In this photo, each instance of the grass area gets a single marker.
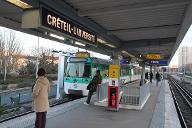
(4, 87)
(22, 81)
(52, 77)
(2, 109)
(16, 79)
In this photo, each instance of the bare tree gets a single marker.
(10, 51)
(2, 47)
(46, 58)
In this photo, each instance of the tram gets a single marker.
(81, 68)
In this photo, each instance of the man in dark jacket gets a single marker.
(158, 78)
(93, 86)
(151, 76)
(146, 75)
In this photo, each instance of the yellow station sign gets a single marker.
(113, 71)
(153, 56)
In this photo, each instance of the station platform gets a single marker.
(158, 112)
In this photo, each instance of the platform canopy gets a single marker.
(132, 28)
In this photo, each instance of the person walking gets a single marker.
(158, 78)
(151, 76)
(40, 98)
(92, 87)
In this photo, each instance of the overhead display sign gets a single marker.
(64, 25)
(124, 61)
(159, 62)
(153, 56)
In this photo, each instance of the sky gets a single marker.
(29, 42)
(187, 41)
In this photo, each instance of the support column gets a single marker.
(143, 73)
(60, 75)
(151, 68)
(155, 68)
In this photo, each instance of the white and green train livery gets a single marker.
(80, 71)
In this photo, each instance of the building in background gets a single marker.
(185, 59)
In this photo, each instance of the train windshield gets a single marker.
(78, 69)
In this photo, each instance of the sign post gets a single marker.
(113, 103)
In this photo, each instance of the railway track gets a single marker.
(65, 100)
(183, 102)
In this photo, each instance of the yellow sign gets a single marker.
(113, 71)
(83, 54)
(153, 56)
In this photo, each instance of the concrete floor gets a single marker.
(91, 116)
(158, 112)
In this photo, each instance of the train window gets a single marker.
(94, 69)
(105, 71)
(78, 70)
(124, 71)
(87, 70)
(71, 70)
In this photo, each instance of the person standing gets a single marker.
(151, 76)
(158, 78)
(40, 98)
(146, 76)
(92, 87)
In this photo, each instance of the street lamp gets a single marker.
(37, 61)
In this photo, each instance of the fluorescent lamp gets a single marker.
(125, 52)
(80, 44)
(101, 41)
(110, 45)
(56, 36)
(20, 4)
(105, 43)
(139, 59)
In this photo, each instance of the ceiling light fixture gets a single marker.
(105, 43)
(56, 36)
(80, 44)
(110, 45)
(101, 41)
(20, 4)
(125, 52)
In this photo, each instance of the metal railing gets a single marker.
(188, 79)
(144, 93)
(102, 92)
(133, 93)
(20, 96)
(130, 95)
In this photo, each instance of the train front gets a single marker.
(78, 75)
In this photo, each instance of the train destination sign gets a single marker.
(153, 56)
(83, 54)
(64, 25)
